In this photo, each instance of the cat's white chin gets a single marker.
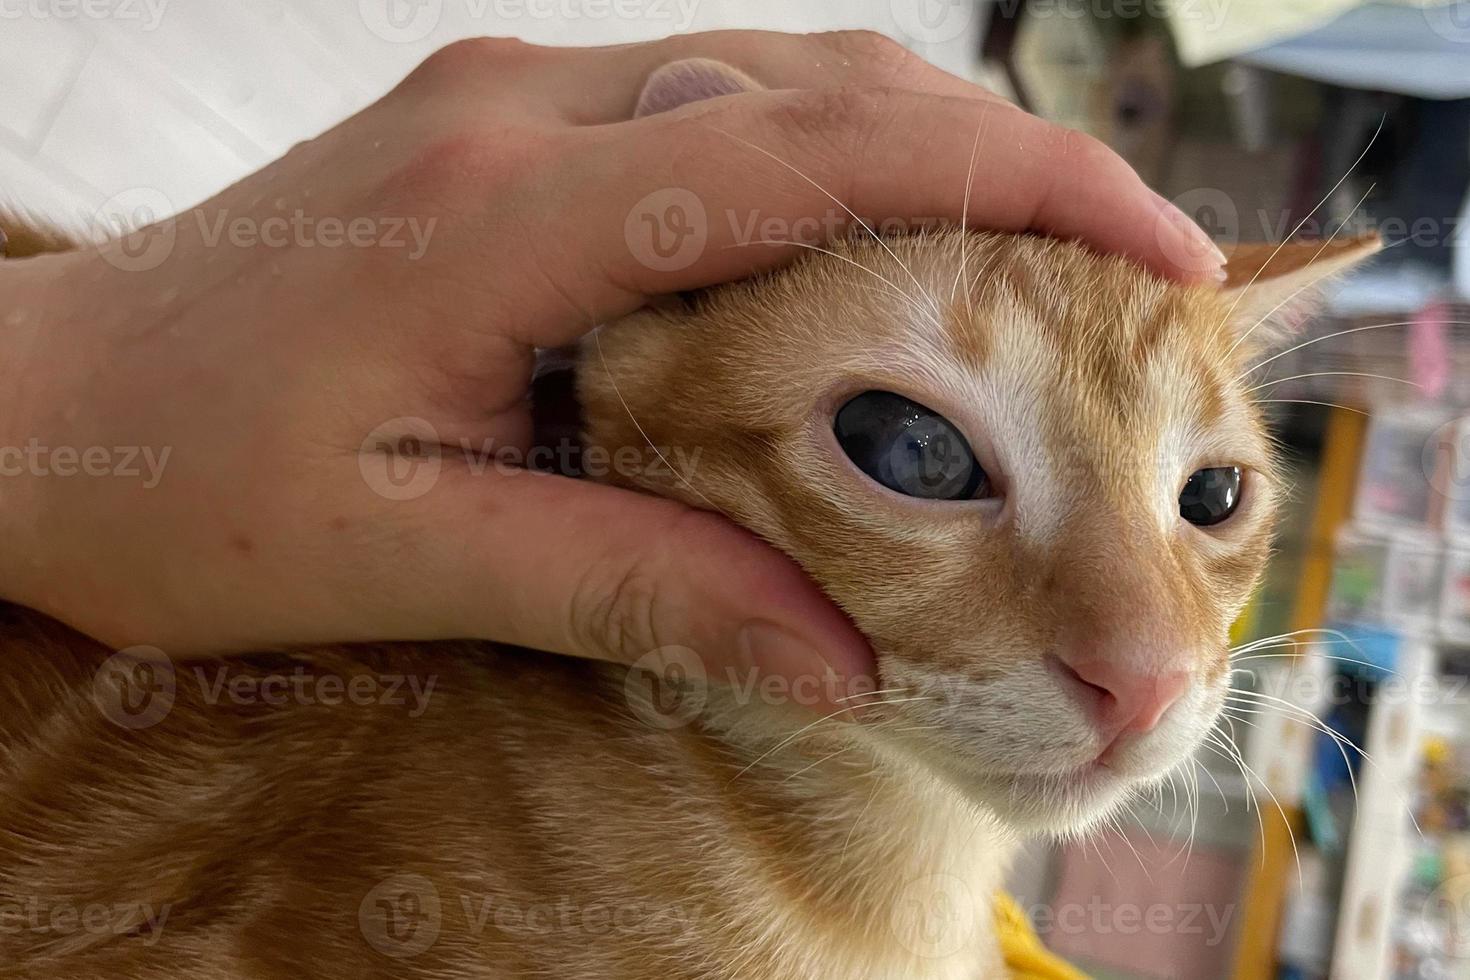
(1055, 803)
(1067, 800)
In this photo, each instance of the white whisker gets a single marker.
(1300, 289)
(1332, 374)
(806, 728)
(965, 211)
(1308, 401)
(1339, 333)
(1299, 225)
(851, 213)
(597, 339)
(898, 293)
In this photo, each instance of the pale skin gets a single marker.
(262, 370)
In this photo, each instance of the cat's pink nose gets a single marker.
(1128, 700)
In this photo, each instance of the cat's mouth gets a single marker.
(1052, 765)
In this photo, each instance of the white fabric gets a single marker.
(1422, 52)
(171, 100)
(1213, 30)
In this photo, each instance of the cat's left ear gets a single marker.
(1271, 289)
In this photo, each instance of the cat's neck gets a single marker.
(862, 841)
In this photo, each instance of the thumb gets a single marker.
(556, 564)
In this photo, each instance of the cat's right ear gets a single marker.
(691, 80)
(1271, 288)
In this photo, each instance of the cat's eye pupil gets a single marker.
(1210, 495)
(908, 448)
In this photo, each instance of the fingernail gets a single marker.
(811, 681)
(1201, 245)
(1215, 252)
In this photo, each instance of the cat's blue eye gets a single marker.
(1210, 495)
(909, 448)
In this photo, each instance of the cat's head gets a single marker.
(1036, 478)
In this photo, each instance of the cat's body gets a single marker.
(526, 824)
(533, 817)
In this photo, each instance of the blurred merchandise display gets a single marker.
(1432, 928)
(1454, 622)
(1398, 616)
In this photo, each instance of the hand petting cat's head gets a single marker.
(1035, 477)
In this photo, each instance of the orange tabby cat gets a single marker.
(1033, 476)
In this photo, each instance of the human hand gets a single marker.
(266, 380)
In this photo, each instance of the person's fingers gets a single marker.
(702, 187)
(579, 568)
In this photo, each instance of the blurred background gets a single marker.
(1325, 830)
